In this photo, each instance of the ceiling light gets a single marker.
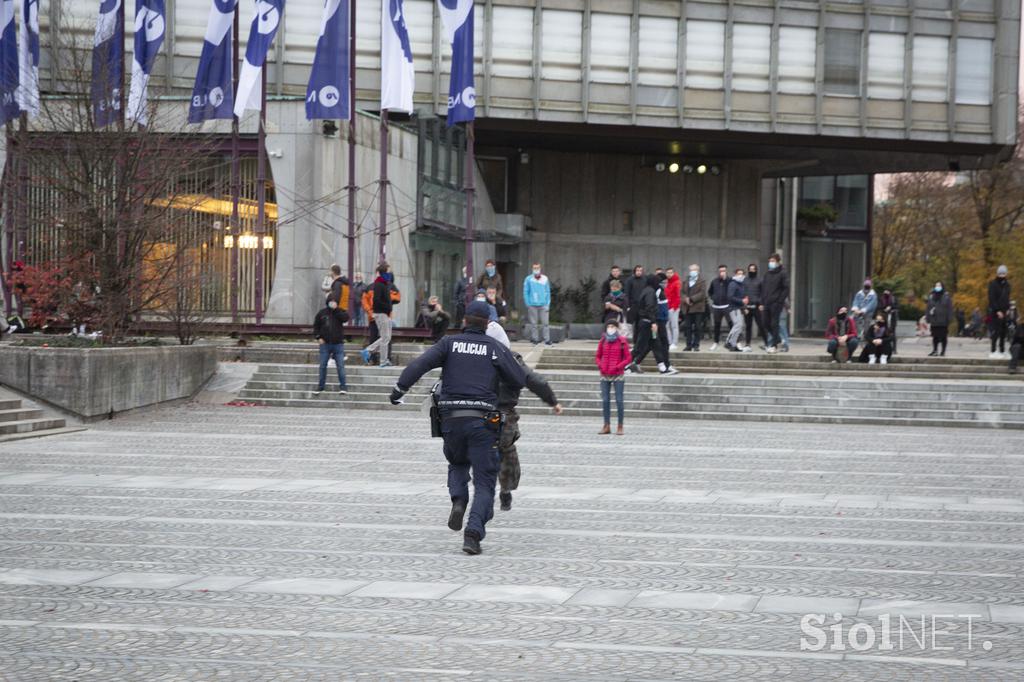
(673, 167)
(702, 169)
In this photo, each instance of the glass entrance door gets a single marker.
(830, 272)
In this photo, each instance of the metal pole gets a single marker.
(261, 193)
(470, 188)
(21, 205)
(352, 147)
(236, 181)
(382, 225)
(120, 91)
(7, 256)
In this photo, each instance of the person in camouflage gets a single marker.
(508, 398)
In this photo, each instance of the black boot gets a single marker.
(506, 500)
(458, 511)
(471, 542)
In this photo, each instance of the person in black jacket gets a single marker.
(646, 332)
(329, 331)
(877, 342)
(634, 289)
(998, 305)
(939, 315)
(718, 296)
(435, 318)
(774, 295)
(382, 308)
(606, 286)
(1016, 347)
(508, 398)
(752, 307)
(472, 365)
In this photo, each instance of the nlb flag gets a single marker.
(261, 35)
(28, 58)
(8, 63)
(397, 75)
(213, 96)
(327, 92)
(457, 21)
(149, 36)
(108, 63)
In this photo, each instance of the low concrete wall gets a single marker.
(97, 382)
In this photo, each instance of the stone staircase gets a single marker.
(855, 398)
(18, 421)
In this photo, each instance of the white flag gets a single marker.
(397, 75)
(261, 35)
(28, 58)
(149, 36)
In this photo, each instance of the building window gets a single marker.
(930, 69)
(847, 194)
(973, 71)
(751, 54)
(609, 48)
(842, 62)
(885, 65)
(658, 51)
(797, 56)
(512, 46)
(705, 55)
(562, 40)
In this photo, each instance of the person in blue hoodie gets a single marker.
(537, 297)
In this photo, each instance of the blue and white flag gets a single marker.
(261, 35)
(149, 36)
(8, 63)
(397, 75)
(327, 92)
(457, 21)
(108, 63)
(28, 58)
(213, 96)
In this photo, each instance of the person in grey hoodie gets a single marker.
(939, 315)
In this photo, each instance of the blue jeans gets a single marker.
(338, 351)
(606, 399)
(469, 443)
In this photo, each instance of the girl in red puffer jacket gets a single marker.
(612, 358)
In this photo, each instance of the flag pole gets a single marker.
(469, 185)
(351, 146)
(236, 178)
(124, 55)
(261, 192)
(7, 256)
(382, 226)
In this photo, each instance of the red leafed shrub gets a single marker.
(57, 291)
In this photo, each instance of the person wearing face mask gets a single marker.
(358, 289)
(491, 278)
(695, 298)
(890, 307)
(732, 342)
(633, 288)
(877, 342)
(614, 304)
(537, 297)
(865, 303)
(382, 312)
(329, 331)
(649, 335)
(842, 332)
(612, 359)
(998, 305)
(775, 295)
(718, 293)
(459, 294)
(939, 316)
(752, 307)
(674, 294)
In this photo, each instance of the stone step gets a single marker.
(19, 414)
(719, 395)
(826, 370)
(41, 433)
(30, 425)
(9, 404)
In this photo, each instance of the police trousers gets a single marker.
(471, 445)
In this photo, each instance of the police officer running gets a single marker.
(472, 364)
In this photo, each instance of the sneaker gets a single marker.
(506, 501)
(385, 364)
(770, 349)
(872, 359)
(687, 349)
(634, 368)
(834, 361)
(993, 356)
(933, 354)
(342, 391)
(695, 349)
(471, 543)
(455, 517)
(714, 347)
(673, 346)
(365, 355)
(548, 343)
(670, 371)
(746, 349)
(785, 349)
(883, 360)
(318, 391)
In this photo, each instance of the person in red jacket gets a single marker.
(612, 358)
(674, 294)
(841, 331)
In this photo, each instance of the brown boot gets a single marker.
(618, 431)
(605, 430)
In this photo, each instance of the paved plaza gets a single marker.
(207, 542)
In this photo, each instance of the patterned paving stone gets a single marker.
(194, 543)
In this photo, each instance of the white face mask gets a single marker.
(536, 271)
(611, 331)
(693, 274)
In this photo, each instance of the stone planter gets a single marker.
(589, 332)
(95, 383)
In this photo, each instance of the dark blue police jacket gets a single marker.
(472, 363)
